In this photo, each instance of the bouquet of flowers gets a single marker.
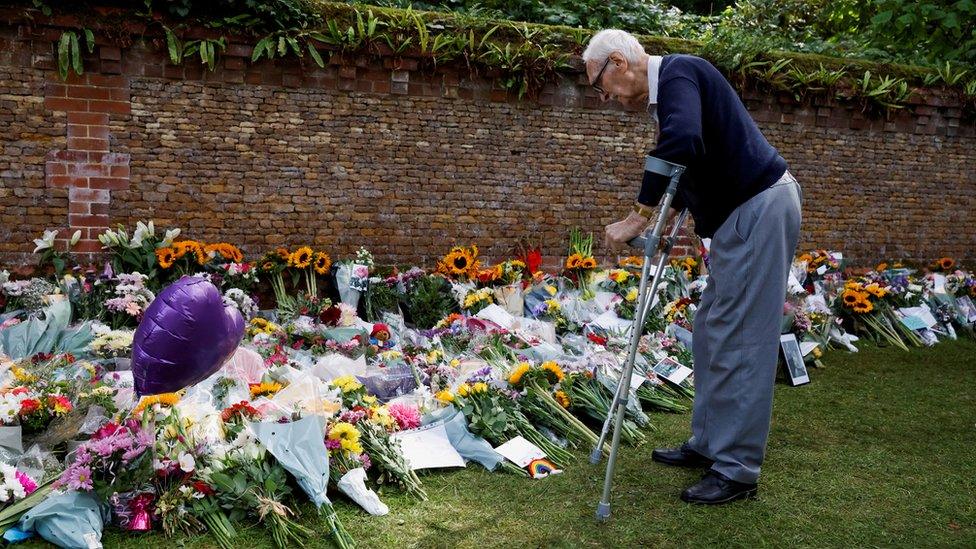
(116, 459)
(112, 344)
(133, 298)
(460, 264)
(580, 263)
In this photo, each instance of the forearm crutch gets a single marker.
(651, 241)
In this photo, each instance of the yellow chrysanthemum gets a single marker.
(347, 383)
(631, 295)
(22, 376)
(463, 390)
(444, 396)
(165, 399)
(562, 398)
(551, 290)
(479, 387)
(369, 400)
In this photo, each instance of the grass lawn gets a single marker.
(877, 451)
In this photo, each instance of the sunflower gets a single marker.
(876, 290)
(881, 267)
(863, 306)
(166, 257)
(946, 263)
(458, 261)
(573, 261)
(554, 369)
(268, 266)
(562, 398)
(322, 263)
(301, 258)
(516, 376)
(851, 297)
(283, 253)
(588, 263)
(226, 251)
(807, 258)
(264, 389)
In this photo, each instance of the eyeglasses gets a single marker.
(596, 81)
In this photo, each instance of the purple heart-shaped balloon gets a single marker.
(186, 334)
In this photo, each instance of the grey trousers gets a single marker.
(737, 328)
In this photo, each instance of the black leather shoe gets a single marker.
(680, 457)
(715, 488)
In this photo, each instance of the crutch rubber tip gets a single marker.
(602, 511)
(595, 455)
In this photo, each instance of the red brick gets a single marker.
(98, 132)
(88, 195)
(112, 183)
(99, 209)
(64, 104)
(110, 53)
(88, 92)
(65, 181)
(82, 208)
(89, 118)
(77, 130)
(107, 81)
(87, 144)
(55, 168)
(117, 107)
(82, 220)
(88, 246)
(120, 171)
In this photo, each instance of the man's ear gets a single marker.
(620, 61)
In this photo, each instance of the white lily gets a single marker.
(75, 238)
(168, 239)
(187, 462)
(142, 231)
(46, 241)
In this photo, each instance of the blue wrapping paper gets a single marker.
(468, 445)
(300, 448)
(73, 520)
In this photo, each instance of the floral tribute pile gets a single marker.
(351, 374)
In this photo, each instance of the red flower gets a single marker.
(106, 430)
(331, 316)
(596, 339)
(203, 488)
(533, 260)
(29, 406)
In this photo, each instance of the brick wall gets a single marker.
(407, 160)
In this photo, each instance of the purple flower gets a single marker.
(78, 478)
(365, 461)
(484, 374)
(332, 445)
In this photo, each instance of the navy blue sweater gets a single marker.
(705, 126)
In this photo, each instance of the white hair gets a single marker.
(608, 41)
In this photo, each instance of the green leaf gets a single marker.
(63, 45)
(260, 47)
(315, 55)
(282, 46)
(76, 55)
(173, 46)
(90, 40)
(294, 46)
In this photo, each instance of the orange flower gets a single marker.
(863, 307)
(322, 263)
(166, 257)
(301, 258)
(587, 263)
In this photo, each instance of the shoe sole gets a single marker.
(748, 494)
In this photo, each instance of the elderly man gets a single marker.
(742, 197)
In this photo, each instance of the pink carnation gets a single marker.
(27, 482)
(406, 416)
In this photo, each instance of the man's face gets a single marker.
(618, 81)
